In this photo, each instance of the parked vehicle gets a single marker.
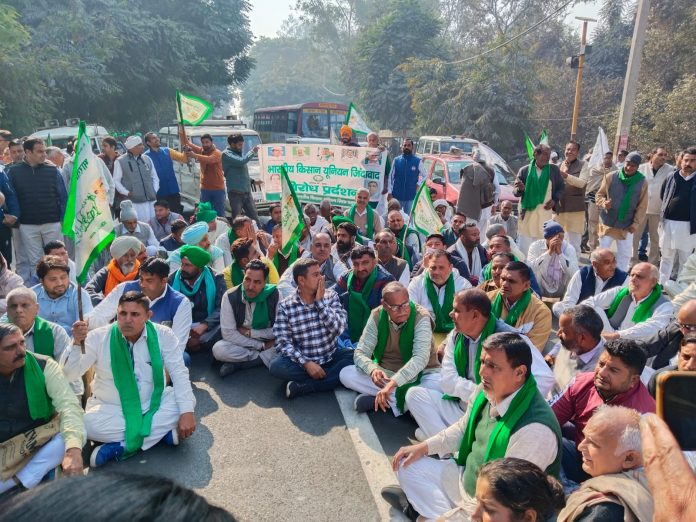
(59, 136)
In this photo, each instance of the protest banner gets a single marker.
(318, 171)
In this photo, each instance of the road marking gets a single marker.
(374, 461)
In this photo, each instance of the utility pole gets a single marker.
(578, 82)
(631, 81)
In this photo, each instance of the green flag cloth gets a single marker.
(191, 110)
(43, 337)
(643, 310)
(630, 182)
(291, 258)
(138, 426)
(40, 405)
(260, 319)
(500, 437)
(516, 310)
(461, 354)
(529, 146)
(231, 236)
(292, 220)
(358, 309)
(405, 348)
(443, 322)
(535, 187)
(210, 288)
(370, 227)
(236, 273)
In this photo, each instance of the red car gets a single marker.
(443, 176)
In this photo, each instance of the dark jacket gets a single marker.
(666, 194)
(199, 308)
(652, 384)
(40, 192)
(557, 184)
(11, 205)
(663, 345)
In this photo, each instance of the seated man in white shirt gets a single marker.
(247, 315)
(591, 280)
(363, 216)
(635, 311)
(130, 359)
(506, 405)
(459, 377)
(317, 222)
(556, 263)
(394, 353)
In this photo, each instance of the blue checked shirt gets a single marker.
(309, 332)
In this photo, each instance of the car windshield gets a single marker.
(502, 175)
(454, 167)
(464, 146)
(250, 141)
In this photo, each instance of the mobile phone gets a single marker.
(676, 405)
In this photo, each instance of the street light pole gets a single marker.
(578, 82)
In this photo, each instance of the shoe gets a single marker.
(420, 436)
(105, 453)
(397, 499)
(171, 438)
(643, 257)
(227, 368)
(364, 403)
(294, 389)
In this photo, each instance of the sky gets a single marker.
(267, 15)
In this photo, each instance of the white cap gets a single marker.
(132, 142)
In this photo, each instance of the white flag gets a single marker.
(87, 218)
(292, 219)
(600, 149)
(423, 215)
(356, 122)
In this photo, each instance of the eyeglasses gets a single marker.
(398, 307)
(687, 327)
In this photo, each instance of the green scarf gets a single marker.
(40, 405)
(231, 236)
(644, 309)
(236, 273)
(489, 267)
(291, 258)
(630, 182)
(358, 309)
(260, 319)
(516, 310)
(405, 347)
(500, 437)
(535, 187)
(461, 354)
(138, 426)
(443, 322)
(43, 337)
(370, 227)
(210, 287)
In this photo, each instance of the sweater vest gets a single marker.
(234, 295)
(616, 191)
(620, 314)
(165, 308)
(37, 193)
(137, 178)
(538, 412)
(14, 406)
(391, 360)
(588, 279)
(396, 267)
(573, 199)
(165, 171)
(406, 175)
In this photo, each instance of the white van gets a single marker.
(189, 176)
(59, 136)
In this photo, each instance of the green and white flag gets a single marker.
(292, 220)
(87, 218)
(544, 137)
(423, 215)
(356, 122)
(191, 110)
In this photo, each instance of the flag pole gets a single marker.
(182, 130)
(79, 312)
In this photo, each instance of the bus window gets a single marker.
(292, 122)
(338, 118)
(315, 123)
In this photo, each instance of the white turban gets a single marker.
(133, 141)
(122, 244)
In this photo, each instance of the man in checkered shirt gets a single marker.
(306, 330)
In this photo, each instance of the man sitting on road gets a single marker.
(131, 226)
(197, 235)
(497, 230)
(360, 289)
(244, 251)
(242, 228)
(591, 280)
(502, 245)
(686, 361)
(346, 234)
(280, 262)
(507, 417)
(363, 216)
(553, 260)
(173, 241)
(247, 315)
(307, 327)
(161, 223)
(451, 233)
(611, 456)
(506, 218)
(411, 254)
(319, 222)
(331, 268)
(493, 271)
(204, 288)
(616, 381)
(473, 323)
(38, 413)
(130, 358)
(435, 242)
(470, 250)
(515, 304)
(56, 295)
(169, 307)
(123, 267)
(217, 226)
(635, 311)
(664, 344)
(395, 352)
(385, 245)
(434, 290)
(56, 248)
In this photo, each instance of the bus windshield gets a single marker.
(315, 123)
(250, 141)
